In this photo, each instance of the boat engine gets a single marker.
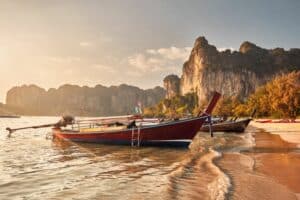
(64, 121)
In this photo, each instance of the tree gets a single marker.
(177, 106)
(226, 105)
(284, 94)
(259, 101)
(280, 97)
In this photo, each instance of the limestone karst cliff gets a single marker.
(172, 85)
(83, 101)
(5, 111)
(236, 73)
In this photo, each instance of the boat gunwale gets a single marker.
(68, 131)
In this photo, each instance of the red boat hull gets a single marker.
(179, 132)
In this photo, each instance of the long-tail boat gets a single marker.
(10, 116)
(228, 126)
(136, 132)
(277, 121)
(233, 125)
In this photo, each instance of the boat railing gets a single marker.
(114, 122)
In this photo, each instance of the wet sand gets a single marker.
(269, 170)
(289, 132)
(284, 163)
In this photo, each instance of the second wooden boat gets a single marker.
(228, 126)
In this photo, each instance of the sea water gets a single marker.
(33, 166)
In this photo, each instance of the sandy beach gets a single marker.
(289, 132)
(284, 164)
(268, 170)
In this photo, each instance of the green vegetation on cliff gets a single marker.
(177, 106)
(279, 97)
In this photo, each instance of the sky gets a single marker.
(137, 42)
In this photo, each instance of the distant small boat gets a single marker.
(228, 126)
(9, 116)
(277, 121)
(264, 121)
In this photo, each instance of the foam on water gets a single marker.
(219, 187)
(198, 177)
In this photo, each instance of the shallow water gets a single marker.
(33, 167)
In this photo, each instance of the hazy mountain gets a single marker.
(84, 101)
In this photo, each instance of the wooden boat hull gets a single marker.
(178, 132)
(235, 126)
(175, 133)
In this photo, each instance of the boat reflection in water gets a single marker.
(138, 173)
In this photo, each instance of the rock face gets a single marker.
(233, 73)
(82, 101)
(4, 111)
(172, 85)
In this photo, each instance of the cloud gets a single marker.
(145, 63)
(134, 73)
(95, 42)
(160, 60)
(104, 68)
(64, 60)
(226, 48)
(85, 44)
(105, 38)
(172, 53)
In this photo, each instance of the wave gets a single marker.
(219, 187)
(199, 178)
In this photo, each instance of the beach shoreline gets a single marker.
(279, 156)
(289, 132)
(268, 169)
